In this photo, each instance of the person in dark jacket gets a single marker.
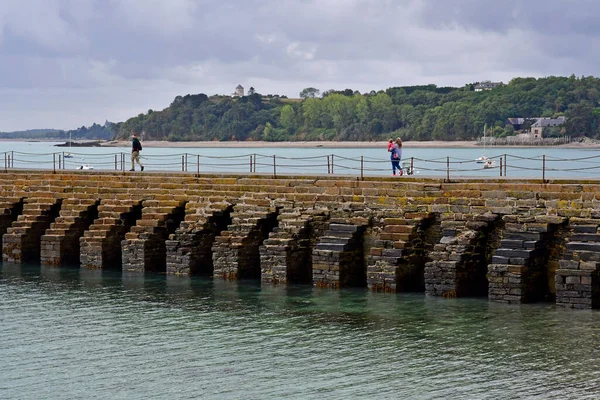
(136, 147)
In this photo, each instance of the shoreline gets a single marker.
(307, 144)
(328, 144)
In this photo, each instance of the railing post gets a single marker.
(186, 162)
(412, 166)
(254, 163)
(115, 162)
(543, 168)
(332, 164)
(328, 167)
(198, 166)
(500, 166)
(274, 168)
(447, 169)
(362, 178)
(250, 163)
(11, 163)
(505, 165)
(53, 163)
(182, 161)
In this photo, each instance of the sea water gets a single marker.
(516, 162)
(81, 334)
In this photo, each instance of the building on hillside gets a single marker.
(538, 124)
(239, 91)
(486, 85)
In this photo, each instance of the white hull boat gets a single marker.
(489, 164)
(69, 154)
(483, 158)
(85, 166)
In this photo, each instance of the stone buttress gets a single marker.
(60, 243)
(100, 245)
(10, 209)
(189, 247)
(236, 252)
(459, 261)
(285, 257)
(144, 248)
(518, 272)
(395, 263)
(337, 259)
(578, 277)
(21, 242)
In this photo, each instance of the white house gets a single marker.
(538, 124)
(486, 85)
(239, 91)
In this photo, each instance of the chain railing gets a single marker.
(540, 167)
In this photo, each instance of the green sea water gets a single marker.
(79, 334)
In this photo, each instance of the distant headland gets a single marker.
(550, 107)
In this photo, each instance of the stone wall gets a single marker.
(516, 240)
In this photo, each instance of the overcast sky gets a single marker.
(67, 63)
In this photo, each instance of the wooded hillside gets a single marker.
(413, 112)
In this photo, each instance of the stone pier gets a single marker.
(514, 241)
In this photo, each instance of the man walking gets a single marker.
(136, 147)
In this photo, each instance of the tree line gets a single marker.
(94, 131)
(423, 112)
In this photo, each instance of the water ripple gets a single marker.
(73, 334)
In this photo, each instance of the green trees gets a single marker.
(287, 118)
(413, 112)
(309, 93)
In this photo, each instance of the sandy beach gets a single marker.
(333, 145)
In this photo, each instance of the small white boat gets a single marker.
(68, 154)
(489, 164)
(483, 158)
(85, 166)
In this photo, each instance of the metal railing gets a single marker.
(540, 167)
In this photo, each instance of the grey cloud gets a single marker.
(90, 55)
(553, 17)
